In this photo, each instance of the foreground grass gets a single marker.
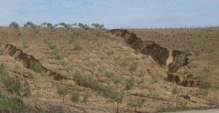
(186, 109)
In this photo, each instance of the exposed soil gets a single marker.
(166, 58)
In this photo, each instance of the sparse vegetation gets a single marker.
(36, 67)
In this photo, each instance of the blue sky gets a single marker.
(112, 13)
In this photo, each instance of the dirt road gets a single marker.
(198, 111)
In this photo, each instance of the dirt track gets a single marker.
(198, 111)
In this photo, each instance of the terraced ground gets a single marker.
(110, 70)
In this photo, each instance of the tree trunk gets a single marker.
(117, 109)
(63, 99)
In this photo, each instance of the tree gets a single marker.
(136, 102)
(62, 91)
(14, 24)
(96, 25)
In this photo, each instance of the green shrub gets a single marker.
(78, 47)
(59, 56)
(52, 46)
(207, 69)
(86, 96)
(1, 51)
(13, 85)
(142, 73)
(75, 97)
(137, 51)
(205, 85)
(11, 105)
(134, 67)
(129, 83)
(27, 90)
(36, 67)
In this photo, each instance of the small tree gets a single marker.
(62, 91)
(136, 103)
(14, 24)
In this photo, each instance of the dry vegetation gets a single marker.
(71, 69)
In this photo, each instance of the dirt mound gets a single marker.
(171, 60)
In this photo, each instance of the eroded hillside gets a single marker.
(100, 69)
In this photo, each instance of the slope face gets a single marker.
(98, 62)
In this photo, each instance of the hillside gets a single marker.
(125, 70)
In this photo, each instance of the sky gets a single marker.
(113, 13)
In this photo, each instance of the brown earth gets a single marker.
(94, 51)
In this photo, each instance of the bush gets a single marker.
(205, 85)
(11, 105)
(86, 97)
(1, 51)
(142, 73)
(129, 83)
(207, 69)
(36, 67)
(13, 85)
(78, 47)
(75, 97)
(27, 90)
(134, 67)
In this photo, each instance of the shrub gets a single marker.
(36, 67)
(129, 83)
(13, 85)
(1, 51)
(59, 56)
(142, 73)
(86, 97)
(137, 51)
(78, 47)
(3, 71)
(27, 90)
(205, 85)
(62, 91)
(134, 67)
(207, 69)
(11, 105)
(52, 46)
(75, 97)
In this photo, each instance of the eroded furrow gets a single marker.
(26, 60)
(171, 60)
